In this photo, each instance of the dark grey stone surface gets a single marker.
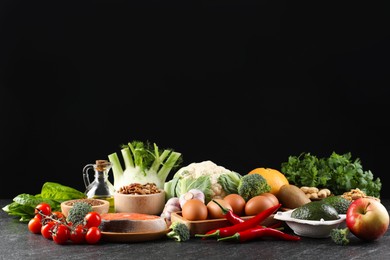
(18, 243)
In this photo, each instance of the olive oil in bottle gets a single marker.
(101, 187)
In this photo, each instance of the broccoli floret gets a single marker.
(78, 211)
(340, 236)
(180, 232)
(251, 185)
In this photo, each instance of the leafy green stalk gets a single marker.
(159, 159)
(143, 163)
(126, 155)
(168, 165)
(117, 169)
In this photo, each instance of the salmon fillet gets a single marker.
(132, 222)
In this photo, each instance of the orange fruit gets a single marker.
(274, 178)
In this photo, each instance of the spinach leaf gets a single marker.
(60, 192)
(23, 205)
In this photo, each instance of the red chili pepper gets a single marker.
(259, 232)
(252, 222)
(229, 214)
(277, 225)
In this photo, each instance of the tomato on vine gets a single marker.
(47, 228)
(35, 225)
(77, 234)
(58, 215)
(53, 225)
(42, 209)
(92, 219)
(60, 233)
(93, 235)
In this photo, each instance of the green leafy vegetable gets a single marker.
(60, 192)
(23, 205)
(338, 172)
(143, 163)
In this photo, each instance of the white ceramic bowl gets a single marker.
(310, 228)
(133, 203)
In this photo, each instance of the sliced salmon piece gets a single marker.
(132, 222)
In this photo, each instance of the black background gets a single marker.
(242, 83)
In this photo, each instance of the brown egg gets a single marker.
(237, 202)
(257, 204)
(215, 211)
(271, 196)
(194, 209)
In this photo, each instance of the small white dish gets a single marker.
(309, 228)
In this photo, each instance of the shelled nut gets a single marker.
(315, 193)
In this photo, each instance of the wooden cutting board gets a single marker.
(202, 226)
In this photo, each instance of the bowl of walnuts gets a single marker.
(140, 198)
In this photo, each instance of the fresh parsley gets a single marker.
(338, 172)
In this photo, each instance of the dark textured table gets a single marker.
(18, 243)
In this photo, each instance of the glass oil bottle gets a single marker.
(101, 187)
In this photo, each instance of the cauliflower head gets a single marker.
(213, 180)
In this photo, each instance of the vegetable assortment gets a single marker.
(191, 190)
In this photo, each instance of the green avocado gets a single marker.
(315, 210)
(340, 203)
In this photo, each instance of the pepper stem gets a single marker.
(224, 210)
(235, 237)
(213, 234)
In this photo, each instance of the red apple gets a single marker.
(367, 219)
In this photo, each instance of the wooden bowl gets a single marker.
(98, 205)
(152, 204)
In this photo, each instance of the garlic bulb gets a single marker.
(172, 205)
(191, 194)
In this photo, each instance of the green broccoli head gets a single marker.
(251, 185)
(179, 232)
(78, 211)
(340, 236)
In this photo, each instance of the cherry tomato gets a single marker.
(57, 215)
(92, 219)
(47, 228)
(42, 209)
(77, 234)
(60, 234)
(93, 235)
(35, 225)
